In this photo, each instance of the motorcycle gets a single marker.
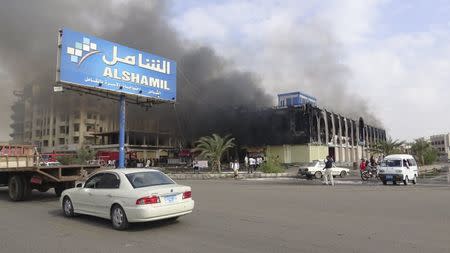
(370, 172)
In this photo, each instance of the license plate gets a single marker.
(389, 177)
(170, 199)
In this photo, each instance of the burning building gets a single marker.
(305, 133)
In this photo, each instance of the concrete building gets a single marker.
(441, 143)
(306, 133)
(65, 122)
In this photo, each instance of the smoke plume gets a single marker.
(208, 86)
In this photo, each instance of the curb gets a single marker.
(207, 176)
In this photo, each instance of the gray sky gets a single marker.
(396, 53)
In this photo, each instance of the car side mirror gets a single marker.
(79, 185)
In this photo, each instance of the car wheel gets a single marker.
(67, 207)
(15, 188)
(406, 180)
(414, 181)
(318, 174)
(343, 174)
(119, 218)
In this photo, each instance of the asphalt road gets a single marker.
(249, 216)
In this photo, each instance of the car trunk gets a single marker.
(168, 194)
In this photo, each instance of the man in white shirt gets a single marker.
(252, 164)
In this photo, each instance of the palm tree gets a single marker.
(213, 148)
(387, 147)
(420, 148)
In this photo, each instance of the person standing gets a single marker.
(252, 164)
(246, 162)
(236, 168)
(328, 170)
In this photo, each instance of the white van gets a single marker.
(398, 168)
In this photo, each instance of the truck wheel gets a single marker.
(15, 188)
(43, 188)
(318, 174)
(414, 181)
(394, 182)
(59, 189)
(406, 180)
(26, 188)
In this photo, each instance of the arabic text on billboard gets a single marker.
(91, 62)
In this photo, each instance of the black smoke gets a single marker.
(209, 88)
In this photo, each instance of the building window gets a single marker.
(53, 143)
(45, 144)
(76, 115)
(62, 129)
(91, 115)
(76, 127)
(62, 141)
(76, 139)
(53, 132)
(90, 128)
(38, 133)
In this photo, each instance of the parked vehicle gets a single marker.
(50, 163)
(400, 167)
(22, 170)
(128, 195)
(316, 169)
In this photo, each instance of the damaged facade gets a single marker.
(306, 133)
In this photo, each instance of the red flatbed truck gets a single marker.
(20, 170)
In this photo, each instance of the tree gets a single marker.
(213, 148)
(84, 155)
(388, 147)
(424, 152)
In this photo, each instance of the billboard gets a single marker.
(88, 62)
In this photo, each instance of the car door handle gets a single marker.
(109, 195)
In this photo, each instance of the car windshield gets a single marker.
(148, 178)
(391, 163)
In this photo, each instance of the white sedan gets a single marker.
(316, 169)
(128, 195)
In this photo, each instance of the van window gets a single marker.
(412, 162)
(391, 163)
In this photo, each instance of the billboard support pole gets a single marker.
(122, 132)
